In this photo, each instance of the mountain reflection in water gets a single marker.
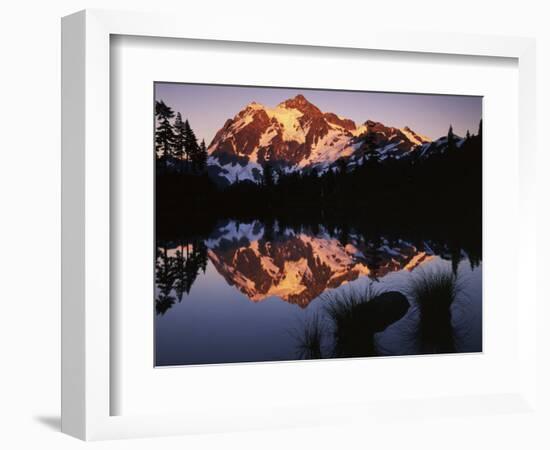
(298, 267)
(241, 293)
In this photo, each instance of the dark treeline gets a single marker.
(443, 190)
(443, 184)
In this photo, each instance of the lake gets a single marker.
(251, 292)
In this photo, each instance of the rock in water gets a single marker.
(384, 310)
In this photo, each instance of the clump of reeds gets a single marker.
(310, 339)
(357, 315)
(434, 292)
(348, 314)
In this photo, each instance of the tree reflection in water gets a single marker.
(176, 270)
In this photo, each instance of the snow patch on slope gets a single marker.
(234, 171)
(288, 118)
(330, 147)
(266, 138)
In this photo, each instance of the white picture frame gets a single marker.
(86, 220)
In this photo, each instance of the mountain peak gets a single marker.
(300, 98)
(254, 105)
(371, 123)
(302, 104)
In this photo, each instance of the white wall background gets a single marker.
(30, 201)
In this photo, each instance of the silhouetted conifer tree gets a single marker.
(451, 144)
(165, 278)
(342, 165)
(190, 143)
(179, 137)
(480, 130)
(164, 134)
(201, 157)
(202, 256)
(180, 273)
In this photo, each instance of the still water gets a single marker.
(251, 291)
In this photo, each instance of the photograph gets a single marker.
(304, 224)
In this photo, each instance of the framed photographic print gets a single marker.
(314, 243)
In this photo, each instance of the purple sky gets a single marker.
(207, 107)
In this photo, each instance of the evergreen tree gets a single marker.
(451, 144)
(468, 135)
(328, 183)
(179, 137)
(202, 256)
(164, 271)
(371, 159)
(190, 143)
(370, 152)
(342, 165)
(164, 134)
(181, 285)
(479, 133)
(201, 157)
(164, 280)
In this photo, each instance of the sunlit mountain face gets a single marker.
(297, 266)
(296, 136)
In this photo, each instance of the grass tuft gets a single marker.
(351, 322)
(310, 339)
(434, 292)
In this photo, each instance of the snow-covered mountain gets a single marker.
(297, 135)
